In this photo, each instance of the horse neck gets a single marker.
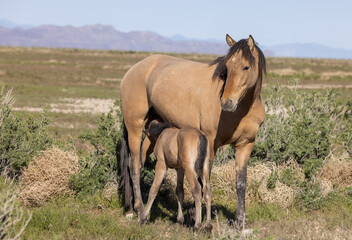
(229, 121)
(252, 95)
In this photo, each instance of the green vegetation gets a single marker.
(309, 125)
(20, 138)
(101, 165)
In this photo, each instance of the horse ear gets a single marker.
(230, 41)
(251, 43)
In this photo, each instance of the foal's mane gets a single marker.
(221, 68)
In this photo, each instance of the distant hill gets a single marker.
(8, 24)
(102, 37)
(308, 50)
(107, 37)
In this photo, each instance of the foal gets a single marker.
(187, 151)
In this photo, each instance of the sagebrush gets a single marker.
(20, 138)
(101, 165)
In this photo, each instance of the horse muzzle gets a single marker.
(229, 106)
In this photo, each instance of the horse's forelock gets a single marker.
(221, 68)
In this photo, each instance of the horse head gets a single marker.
(241, 69)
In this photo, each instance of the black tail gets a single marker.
(125, 171)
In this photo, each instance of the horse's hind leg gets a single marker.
(160, 170)
(207, 189)
(180, 195)
(207, 197)
(197, 195)
(134, 140)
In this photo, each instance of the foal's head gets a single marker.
(155, 128)
(241, 69)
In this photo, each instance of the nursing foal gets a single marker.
(187, 151)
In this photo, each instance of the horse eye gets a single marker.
(245, 68)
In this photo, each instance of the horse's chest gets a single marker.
(239, 133)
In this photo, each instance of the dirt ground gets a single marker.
(75, 105)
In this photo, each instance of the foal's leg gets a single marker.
(160, 170)
(197, 195)
(180, 195)
(207, 197)
(242, 157)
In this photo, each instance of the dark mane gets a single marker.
(221, 69)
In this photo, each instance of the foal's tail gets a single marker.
(125, 171)
(203, 155)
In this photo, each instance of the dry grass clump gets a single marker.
(258, 177)
(257, 183)
(337, 173)
(48, 175)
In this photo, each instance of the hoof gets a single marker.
(139, 209)
(240, 223)
(196, 228)
(209, 227)
(142, 221)
(129, 215)
(180, 220)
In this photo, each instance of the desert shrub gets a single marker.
(101, 165)
(346, 128)
(310, 196)
(13, 218)
(301, 129)
(20, 138)
(290, 177)
(271, 182)
(224, 155)
(6, 102)
(47, 176)
(299, 126)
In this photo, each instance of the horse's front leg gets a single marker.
(243, 153)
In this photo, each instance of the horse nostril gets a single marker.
(229, 105)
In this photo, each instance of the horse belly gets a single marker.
(177, 102)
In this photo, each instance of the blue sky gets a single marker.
(270, 22)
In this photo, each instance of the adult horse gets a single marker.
(221, 99)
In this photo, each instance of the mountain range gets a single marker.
(107, 37)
